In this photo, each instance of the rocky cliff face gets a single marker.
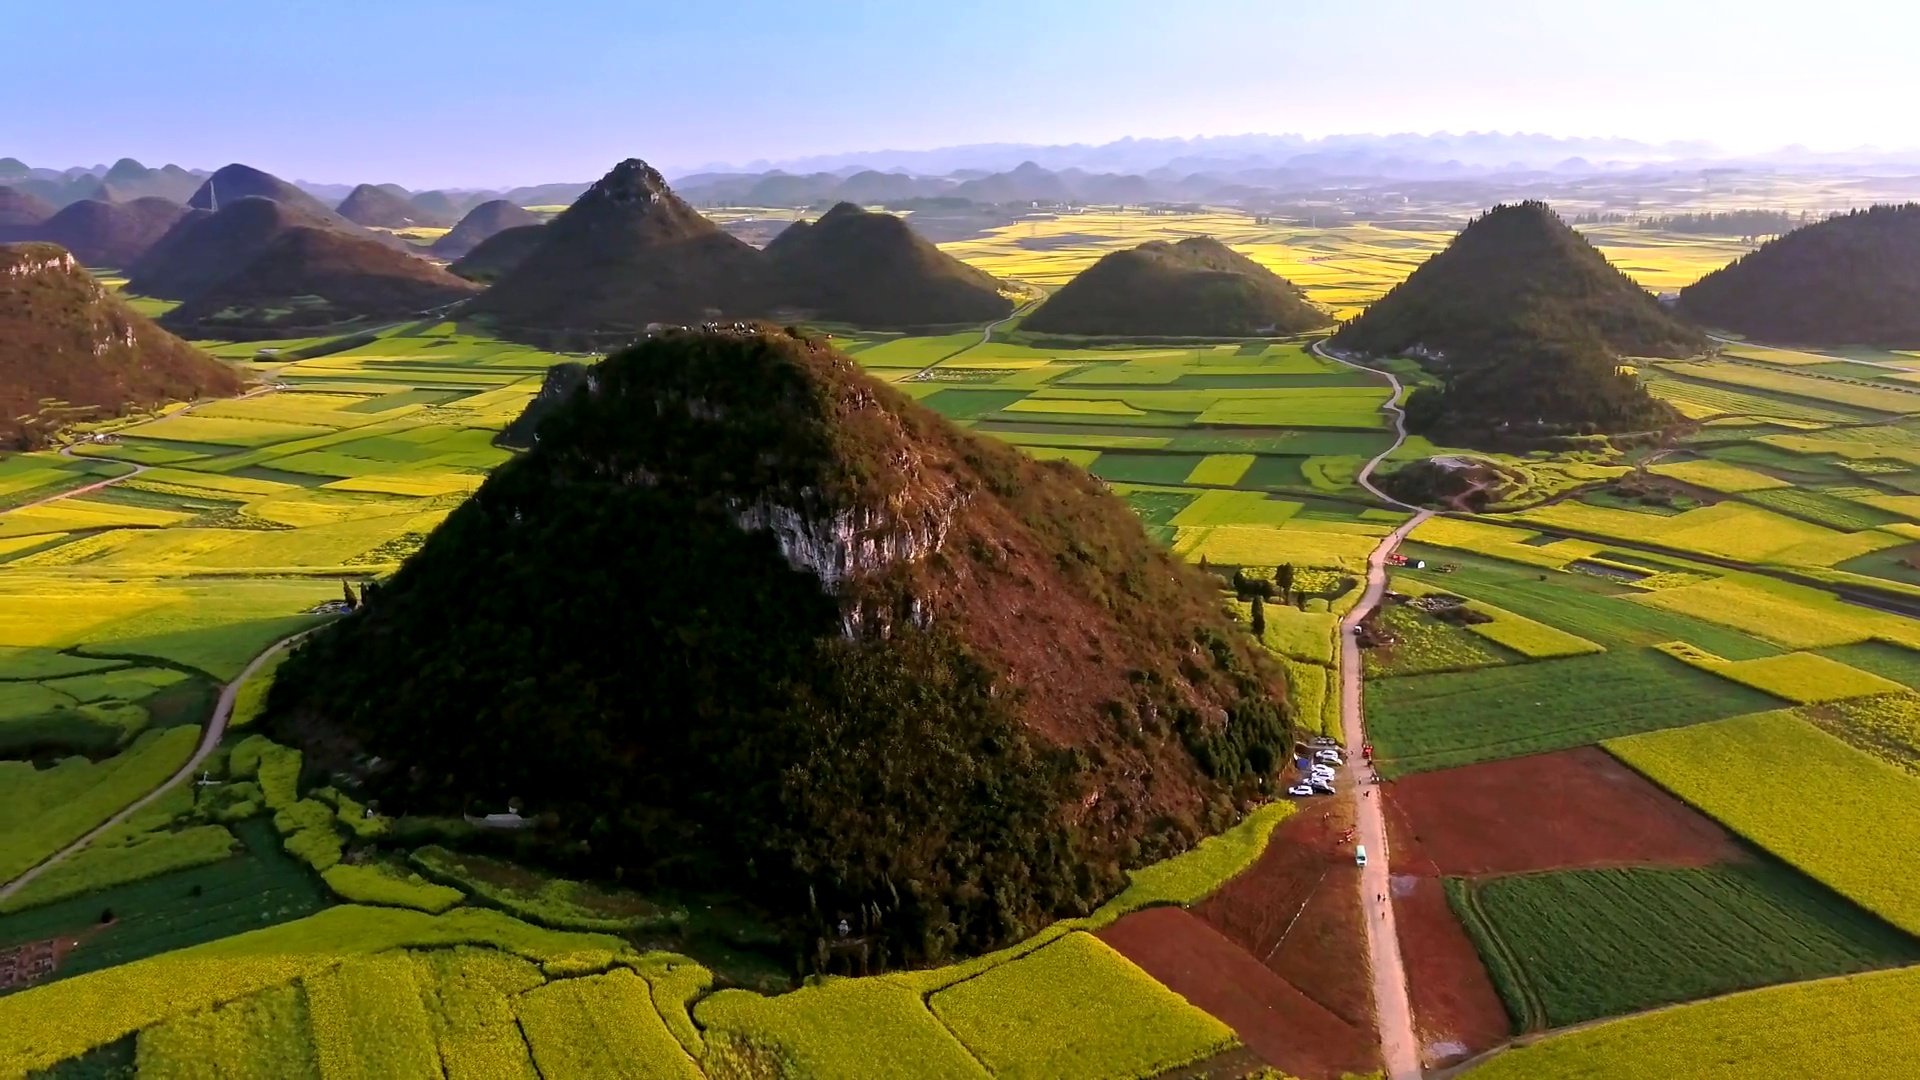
(65, 338)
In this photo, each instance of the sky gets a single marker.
(498, 92)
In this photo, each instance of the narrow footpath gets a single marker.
(1399, 1046)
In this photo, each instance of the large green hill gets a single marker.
(1525, 323)
(1849, 280)
(870, 269)
(1197, 287)
(746, 619)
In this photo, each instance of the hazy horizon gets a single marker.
(504, 92)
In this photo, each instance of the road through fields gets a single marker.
(1399, 1046)
(216, 727)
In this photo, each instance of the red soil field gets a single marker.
(1297, 911)
(1567, 810)
(1456, 1010)
(1283, 1026)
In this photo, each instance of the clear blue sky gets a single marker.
(491, 92)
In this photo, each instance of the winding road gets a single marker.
(67, 452)
(986, 334)
(216, 727)
(1399, 1046)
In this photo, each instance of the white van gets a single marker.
(1359, 854)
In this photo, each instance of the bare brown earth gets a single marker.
(1573, 809)
(1566, 810)
(1456, 1010)
(1298, 912)
(1284, 1026)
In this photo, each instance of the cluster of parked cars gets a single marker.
(1317, 770)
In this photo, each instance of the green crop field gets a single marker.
(1837, 814)
(1578, 945)
(1438, 721)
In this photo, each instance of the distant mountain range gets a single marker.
(1219, 169)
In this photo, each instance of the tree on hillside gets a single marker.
(1259, 616)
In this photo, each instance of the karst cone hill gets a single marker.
(204, 248)
(1197, 287)
(1517, 266)
(481, 222)
(110, 234)
(491, 259)
(313, 278)
(746, 619)
(871, 269)
(65, 337)
(1849, 280)
(380, 206)
(627, 253)
(1525, 322)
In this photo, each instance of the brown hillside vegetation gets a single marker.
(203, 248)
(110, 234)
(627, 253)
(872, 270)
(1197, 287)
(64, 338)
(21, 210)
(896, 664)
(314, 278)
(480, 223)
(491, 259)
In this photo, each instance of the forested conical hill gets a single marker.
(627, 253)
(64, 336)
(310, 278)
(496, 256)
(1197, 287)
(1517, 266)
(1848, 280)
(746, 619)
(110, 234)
(483, 221)
(871, 269)
(203, 248)
(380, 206)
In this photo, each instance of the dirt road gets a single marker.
(216, 727)
(1399, 1047)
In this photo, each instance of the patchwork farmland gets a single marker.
(1591, 764)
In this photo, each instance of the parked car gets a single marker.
(1331, 757)
(1323, 742)
(1300, 789)
(1322, 786)
(1321, 770)
(1359, 854)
